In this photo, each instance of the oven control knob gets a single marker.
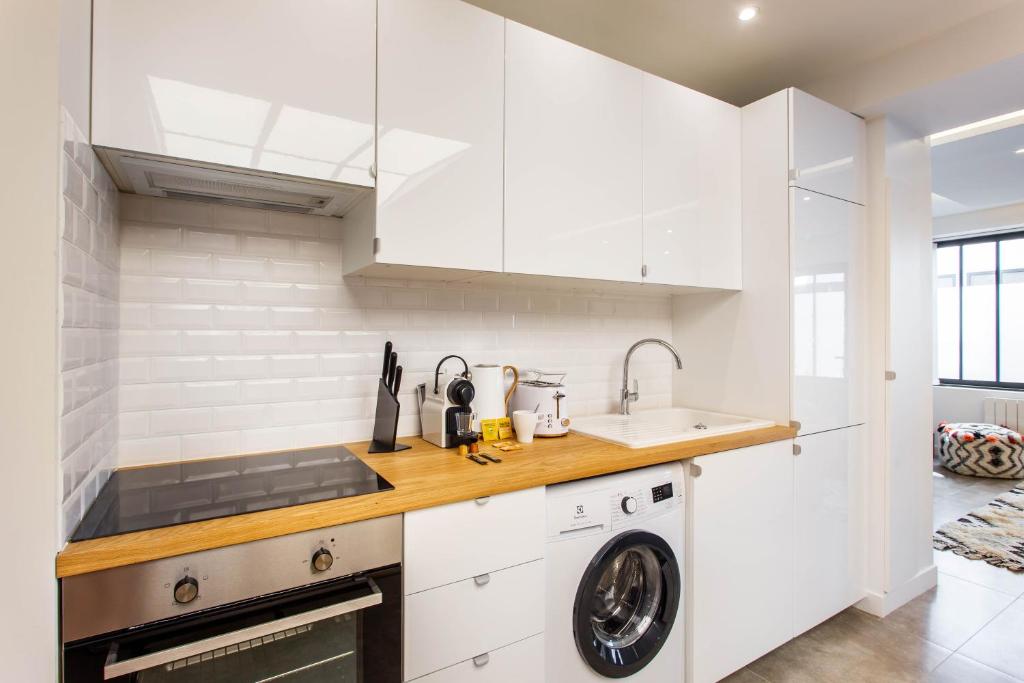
(629, 505)
(186, 590)
(322, 560)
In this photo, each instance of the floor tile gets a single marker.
(960, 669)
(851, 646)
(980, 572)
(743, 676)
(949, 614)
(1000, 644)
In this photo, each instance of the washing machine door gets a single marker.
(626, 603)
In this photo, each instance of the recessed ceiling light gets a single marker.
(748, 13)
(807, 199)
(1020, 151)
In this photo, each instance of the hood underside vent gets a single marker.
(161, 177)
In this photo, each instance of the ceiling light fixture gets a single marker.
(1020, 151)
(1014, 118)
(748, 13)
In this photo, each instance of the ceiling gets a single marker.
(701, 44)
(978, 172)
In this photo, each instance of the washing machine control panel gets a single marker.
(663, 492)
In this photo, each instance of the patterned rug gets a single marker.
(994, 533)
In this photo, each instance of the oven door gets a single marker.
(347, 630)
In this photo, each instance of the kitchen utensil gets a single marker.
(544, 392)
(488, 457)
(385, 423)
(492, 398)
(525, 424)
(476, 459)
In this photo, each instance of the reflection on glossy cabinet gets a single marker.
(740, 551)
(827, 148)
(691, 193)
(573, 160)
(280, 87)
(829, 494)
(828, 311)
(441, 102)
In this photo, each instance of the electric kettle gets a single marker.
(492, 398)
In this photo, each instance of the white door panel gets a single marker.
(827, 148)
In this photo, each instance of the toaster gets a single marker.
(544, 393)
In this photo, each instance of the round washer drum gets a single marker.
(626, 603)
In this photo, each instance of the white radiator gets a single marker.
(1005, 412)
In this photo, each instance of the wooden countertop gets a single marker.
(423, 476)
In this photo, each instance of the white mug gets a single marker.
(525, 424)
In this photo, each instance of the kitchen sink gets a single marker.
(662, 426)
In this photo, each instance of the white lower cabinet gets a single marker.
(829, 525)
(740, 551)
(462, 620)
(522, 662)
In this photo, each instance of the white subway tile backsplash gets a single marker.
(239, 334)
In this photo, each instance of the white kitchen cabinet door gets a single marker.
(829, 494)
(441, 66)
(740, 552)
(691, 187)
(827, 148)
(522, 661)
(285, 87)
(573, 191)
(828, 311)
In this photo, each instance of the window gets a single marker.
(979, 322)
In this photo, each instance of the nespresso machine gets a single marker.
(445, 413)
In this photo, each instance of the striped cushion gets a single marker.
(981, 450)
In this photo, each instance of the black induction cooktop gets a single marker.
(163, 495)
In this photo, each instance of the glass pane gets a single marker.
(947, 313)
(628, 597)
(979, 312)
(1011, 311)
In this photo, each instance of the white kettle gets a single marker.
(492, 398)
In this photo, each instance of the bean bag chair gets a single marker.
(981, 450)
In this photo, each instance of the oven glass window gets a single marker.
(322, 651)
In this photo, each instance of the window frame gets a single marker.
(989, 238)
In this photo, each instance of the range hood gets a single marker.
(176, 178)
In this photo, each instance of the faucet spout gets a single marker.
(627, 396)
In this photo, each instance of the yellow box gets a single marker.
(504, 428)
(489, 430)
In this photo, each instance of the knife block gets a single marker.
(385, 423)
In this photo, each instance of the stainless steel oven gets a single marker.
(317, 606)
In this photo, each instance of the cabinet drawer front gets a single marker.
(459, 621)
(453, 542)
(522, 661)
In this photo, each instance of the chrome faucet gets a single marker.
(628, 396)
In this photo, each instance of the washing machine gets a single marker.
(615, 586)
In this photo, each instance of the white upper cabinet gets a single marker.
(828, 311)
(573, 191)
(691, 187)
(440, 150)
(282, 87)
(827, 148)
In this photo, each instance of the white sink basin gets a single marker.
(663, 426)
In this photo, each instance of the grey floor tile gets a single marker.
(851, 646)
(743, 676)
(960, 669)
(949, 614)
(980, 572)
(1000, 645)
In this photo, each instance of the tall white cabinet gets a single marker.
(285, 88)
(441, 78)
(573, 192)
(691, 187)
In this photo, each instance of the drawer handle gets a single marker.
(482, 580)
(482, 500)
(481, 660)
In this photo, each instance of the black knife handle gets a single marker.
(398, 381)
(387, 361)
(392, 366)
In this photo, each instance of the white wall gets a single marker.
(983, 220)
(29, 179)
(89, 263)
(899, 489)
(238, 334)
(965, 404)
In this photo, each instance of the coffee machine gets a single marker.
(445, 413)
